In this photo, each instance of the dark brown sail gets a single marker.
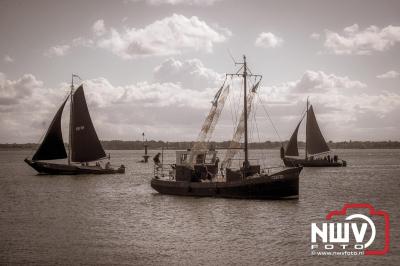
(52, 147)
(315, 141)
(291, 148)
(85, 145)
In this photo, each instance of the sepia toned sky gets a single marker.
(154, 65)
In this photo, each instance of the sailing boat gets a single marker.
(196, 171)
(316, 146)
(84, 145)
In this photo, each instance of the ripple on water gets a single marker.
(119, 219)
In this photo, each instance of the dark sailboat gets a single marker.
(317, 152)
(84, 145)
(197, 171)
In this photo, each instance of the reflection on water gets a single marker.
(119, 219)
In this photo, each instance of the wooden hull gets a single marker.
(280, 185)
(292, 162)
(65, 169)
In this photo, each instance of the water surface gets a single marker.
(119, 219)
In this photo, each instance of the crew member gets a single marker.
(156, 159)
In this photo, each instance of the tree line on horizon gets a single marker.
(183, 145)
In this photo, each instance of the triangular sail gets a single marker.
(237, 136)
(291, 147)
(315, 141)
(52, 146)
(85, 145)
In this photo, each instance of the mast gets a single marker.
(246, 152)
(306, 128)
(246, 73)
(70, 120)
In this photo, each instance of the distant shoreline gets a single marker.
(154, 145)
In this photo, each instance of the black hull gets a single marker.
(65, 169)
(281, 185)
(292, 162)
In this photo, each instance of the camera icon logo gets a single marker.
(353, 230)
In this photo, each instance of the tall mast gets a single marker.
(306, 128)
(246, 152)
(246, 73)
(70, 119)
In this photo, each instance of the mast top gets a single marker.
(72, 79)
(245, 69)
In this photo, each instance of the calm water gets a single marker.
(119, 219)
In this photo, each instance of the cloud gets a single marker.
(315, 36)
(268, 40)
(98, 28)
(170, 36)
(64, 49)
(27, 107)
(191, 74)
(170, 110)
(320, 82)
(388, 75)
(57, 50)
(316, 84)
(103, 93)
(81, 42)
(13, 91)
(341, 106)
(181, 2)
(8, 59)
(312, 83)
(161, 108)
(362, 42)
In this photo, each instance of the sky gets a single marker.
(154, 66)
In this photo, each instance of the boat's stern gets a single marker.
(286, 182)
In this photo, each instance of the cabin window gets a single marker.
(210, 158)
(183, 157)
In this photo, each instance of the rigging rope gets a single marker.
(272, 123)
(233, 110)
(235, 142)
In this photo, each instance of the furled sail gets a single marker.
(315, 141)
(85, 145)
(210, 121)
(291, 147)
(219, 104)
(237, 136)
(52, 146)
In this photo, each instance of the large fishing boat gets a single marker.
(197, 171)
(317, 152)
(84, 145)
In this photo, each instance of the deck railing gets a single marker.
(164, 170)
